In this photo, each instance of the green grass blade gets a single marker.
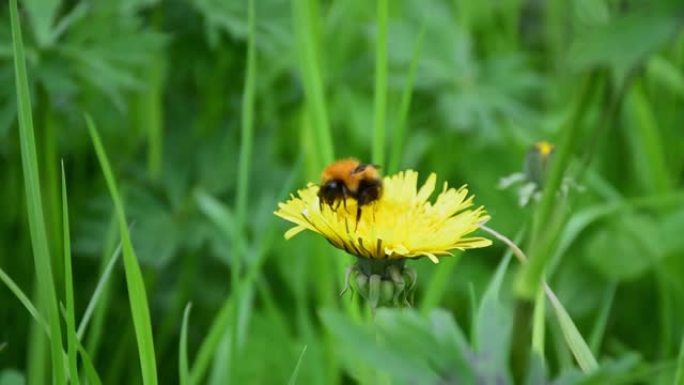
(380, 101)
(211, 342)
(649, 153)
(247, 134)
(679, 374)
(29, 161)
(402, 120)
(600, 326)
(546, 223)
(573, 338)
(295, 372)
(134, 279)
(305, 17)
(16, 290)
(88, 367)
(72, 347)
(97, 293)
(246, 143)
(183, 370)
(539, 324)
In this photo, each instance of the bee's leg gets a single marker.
(358, 214)
(344, 197)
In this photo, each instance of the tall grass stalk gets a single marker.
(380, 100)
(546, 221)
(137, 296)
(539, 324)
(36, 217)
(305, 19)
(241, 203)
(72, 345)
(399, 136)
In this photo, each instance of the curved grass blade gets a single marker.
(29, 162)
(134, 279)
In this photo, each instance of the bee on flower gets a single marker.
(400, 223)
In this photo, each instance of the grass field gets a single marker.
(145, 146)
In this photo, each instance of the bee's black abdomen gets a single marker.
(368, 191)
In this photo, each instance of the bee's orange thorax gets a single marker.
(342, 170)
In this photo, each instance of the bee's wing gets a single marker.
(362, 166)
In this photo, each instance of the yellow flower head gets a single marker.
(403, 223)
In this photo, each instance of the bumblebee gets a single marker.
(349, 178)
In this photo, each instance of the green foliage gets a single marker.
(213, 111)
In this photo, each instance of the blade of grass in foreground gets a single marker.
(29, 161)
(134, 279)
(72, 347)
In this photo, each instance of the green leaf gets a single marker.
(43, 14)
(11, 377)
(134, 279)
(625, 248)
(406, 346)
(360, 342)
(494, 322)
(36, 217)
(624, 42)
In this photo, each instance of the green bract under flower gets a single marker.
(403, 223)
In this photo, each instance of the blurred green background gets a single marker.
(204, 140)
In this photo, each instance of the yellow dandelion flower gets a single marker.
(403, 223)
